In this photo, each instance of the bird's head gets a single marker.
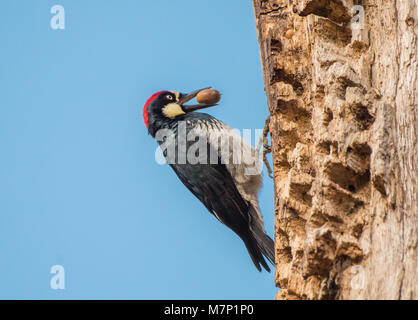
(169, 105)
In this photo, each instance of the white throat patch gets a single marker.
(172, 110)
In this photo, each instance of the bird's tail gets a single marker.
(260, 245)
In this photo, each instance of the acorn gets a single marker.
(208, 96)
(289, 33)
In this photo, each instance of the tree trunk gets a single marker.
(343, 102)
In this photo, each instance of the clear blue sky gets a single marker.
(79, 186)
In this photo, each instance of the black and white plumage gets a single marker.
(223, 179)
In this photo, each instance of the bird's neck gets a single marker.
(159, 123)
(190, 120)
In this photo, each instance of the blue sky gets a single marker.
(79, 185)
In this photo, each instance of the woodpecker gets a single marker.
(228, 189)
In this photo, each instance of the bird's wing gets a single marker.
(213, 185)
(215, 188)
(241, 160)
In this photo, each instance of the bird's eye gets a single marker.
(169, 97)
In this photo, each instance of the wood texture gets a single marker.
(344, 125)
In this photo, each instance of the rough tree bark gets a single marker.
(344, 136)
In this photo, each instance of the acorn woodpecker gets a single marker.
(222, 178)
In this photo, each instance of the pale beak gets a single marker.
(187, 97)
